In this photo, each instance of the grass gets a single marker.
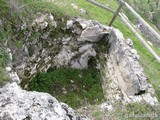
(4, 58)
(72, 86)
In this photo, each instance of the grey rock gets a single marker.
(92, 34)
(17, 104)
(74, 6)
(129, 73)
(69, 24)
(150, 100)
(82, 11)
(86, 52)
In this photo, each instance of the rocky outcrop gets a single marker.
(126, 75)
(126, 69)
(17, 104)
(79, 41)
(73, 47)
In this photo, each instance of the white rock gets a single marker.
(82, 11)
(17, 104)
(106, 106)
(69, 24)
(51, 17)
(14, 77)
(8, 69)
(74, 6)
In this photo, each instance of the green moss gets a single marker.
(72, 86)
(4, 8)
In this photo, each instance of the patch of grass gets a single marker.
(4, 58)
(4, 8)
(72, 86)
(3, 76)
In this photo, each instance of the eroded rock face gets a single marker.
(127, 71)
(17, 104)
(126, 76)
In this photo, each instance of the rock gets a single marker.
(69, 24)
(82, 61)
(129, 73)
(92, 34)
(44, 25)
(82, 11)
(8, 69)
(150, 100)
(129, 42)
(64, 57)
(17, 104)
(10, 54)
(72, 114)
(106, 106)
(51, 17)
(74, 6)
(14, 77)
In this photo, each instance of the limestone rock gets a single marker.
(129, 73)
(74, 5)
(92, 34)
(17, 104)
(82, 61)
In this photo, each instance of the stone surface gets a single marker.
(17, 104)
(124, 59)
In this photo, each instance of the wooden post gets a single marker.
(102, 6)
(121, 3)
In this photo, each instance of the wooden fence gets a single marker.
(129, 24)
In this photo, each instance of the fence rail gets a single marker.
(128, 23)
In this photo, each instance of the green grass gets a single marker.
(81, 86)
(4, 58)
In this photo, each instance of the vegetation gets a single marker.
(72, 86)
(131, 111)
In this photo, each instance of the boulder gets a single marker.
(18, 104)
(128, 72)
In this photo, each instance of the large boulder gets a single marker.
(124, 59)
(18, 104)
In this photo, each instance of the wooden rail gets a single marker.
(127, 22)
(139, 37)
(143, 21)
(100, 5)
